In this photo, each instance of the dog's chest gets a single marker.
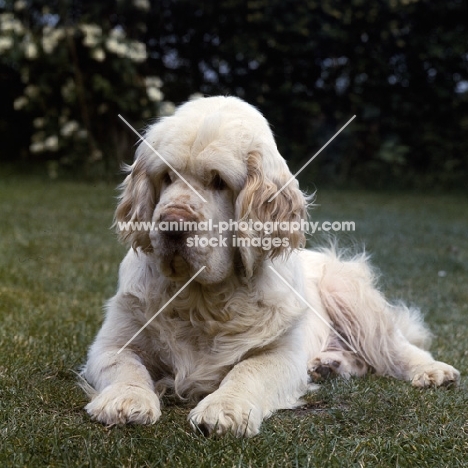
(221, 333)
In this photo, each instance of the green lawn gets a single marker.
(59, 263)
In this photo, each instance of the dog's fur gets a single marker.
(236, 341)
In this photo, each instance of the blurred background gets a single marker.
(68, 68)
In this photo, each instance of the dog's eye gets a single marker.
(217, 183)
(167, 179)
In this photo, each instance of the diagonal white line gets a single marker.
(158, 154)
(161, 309)
(311, 308)
(312, 158)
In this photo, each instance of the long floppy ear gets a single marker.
(137, 202)
(285, 211)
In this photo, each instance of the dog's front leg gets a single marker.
(122, 389)
(252, 391)
(124, 392)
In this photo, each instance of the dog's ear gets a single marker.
(136, 205)
(267, 173)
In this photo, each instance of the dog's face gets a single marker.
(183, 240)
(219, 165)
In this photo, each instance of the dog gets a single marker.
(236, 322)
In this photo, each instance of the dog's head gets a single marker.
(212, 183)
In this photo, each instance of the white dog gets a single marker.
(262, 315)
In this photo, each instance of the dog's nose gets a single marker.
(177, 221)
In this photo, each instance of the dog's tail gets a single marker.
(361, 315)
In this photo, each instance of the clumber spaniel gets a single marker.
(262, 316)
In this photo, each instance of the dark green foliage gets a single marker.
(399, 65)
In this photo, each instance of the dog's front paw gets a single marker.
(219, 414)
(435, 374)
(125, 403)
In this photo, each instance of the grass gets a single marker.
(59, 263)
